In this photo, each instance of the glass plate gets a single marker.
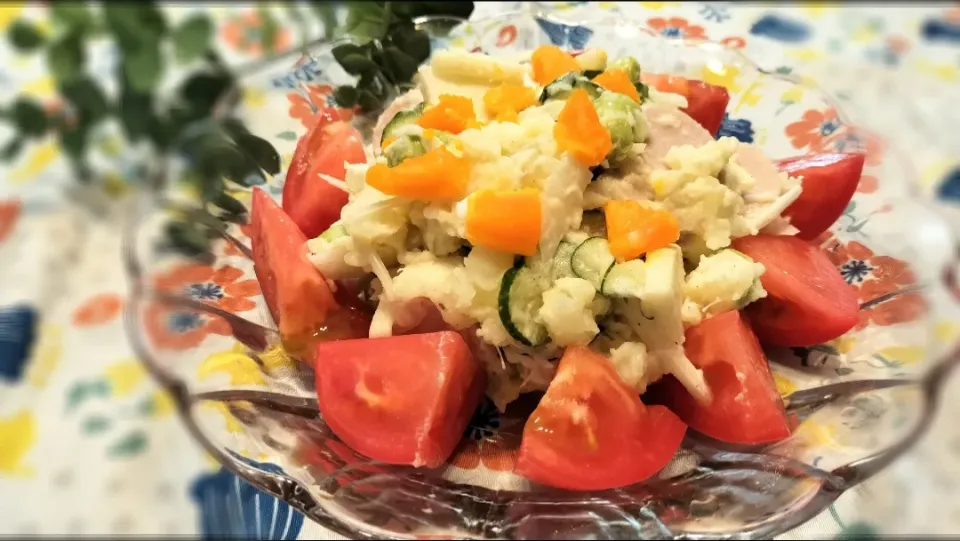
(204, 333)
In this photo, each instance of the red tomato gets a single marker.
(706, 103)
(296, 293)
(312, 202)
(746, 406)
(591, 432)
(402, 399)
(829, 182)
(808, 302)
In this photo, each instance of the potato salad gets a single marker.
(552, 201)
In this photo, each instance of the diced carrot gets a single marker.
(634, 229)
(438, 175)
(505, 220)
(578, 130)
(618, 81)
(550, 62)
(508, 115)
(451, 114)
(387, 141)
(506, 100)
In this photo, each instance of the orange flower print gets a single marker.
(9, 213)
(486, 444)
(868, 184)
(813, 128)
(98, 310)
(855, 140)
(318, 103)
(676, 27)
(734, 42)
(242, 234)
(243, 33)
(176, 327)
(885, 285)
(507, 35)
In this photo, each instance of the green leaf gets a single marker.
(287, 136)
(368, 101)
(355, 64)
(268, 30)
(24, 36)
(186, 238)
(74, 15)
(413, 10)
(366, 21)
(347, 49)
(131, 444)
(228, 203)
(192, 38)
(73, 141)
(346, 96)
(413, 42)
(144, 68)
(95, 424)
(328, 16)
(260, 151)
(87, 98)
(12, 149)
(136, 110)
(401, 65)
(66, 58)
(202, 91)
(29, 117)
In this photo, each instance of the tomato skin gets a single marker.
(384, 397)
(745, 409)
(312, 202)
(297, 294)
(591, 432)
(808, 302)
(829, 182)
(706, 103)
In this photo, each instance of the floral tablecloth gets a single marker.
(88, 445)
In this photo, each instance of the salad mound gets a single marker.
(565, 224)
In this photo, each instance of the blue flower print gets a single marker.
(232, 508)
(781, 29)
(740, 128)
(17, 334)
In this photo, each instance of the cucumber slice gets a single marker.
(401, 119)
(560, 267)
(561, 87)
(592, 261)
(625, 279)
(521, 296)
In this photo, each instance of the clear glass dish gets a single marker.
(204, 333)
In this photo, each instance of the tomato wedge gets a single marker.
(808, 302)
(314, 203)
(297, 295)
(401, 399)
(829, 182)
(706, 103)
(746, 406)
(591, 432)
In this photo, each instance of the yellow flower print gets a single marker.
(657, 6)
(815, 434)
(943, 72)
(49, 351)
(254, 98)
(844, 344)
(40, 89)
(124, 377)
(9, 11)
(946, 331)
(38, 159)
(935, 172)
(275, 359)
(162, 404)
(806, 54)
(793, 95)
(235, 363)
(720, 75)
(816, 9)
(864, 34)
(18, 434)
(904, 354)
(784, 386)
(232, 425)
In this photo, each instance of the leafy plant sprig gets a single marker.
(383, 49)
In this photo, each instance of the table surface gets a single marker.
(89, 443)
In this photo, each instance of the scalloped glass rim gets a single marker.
(625, 509)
